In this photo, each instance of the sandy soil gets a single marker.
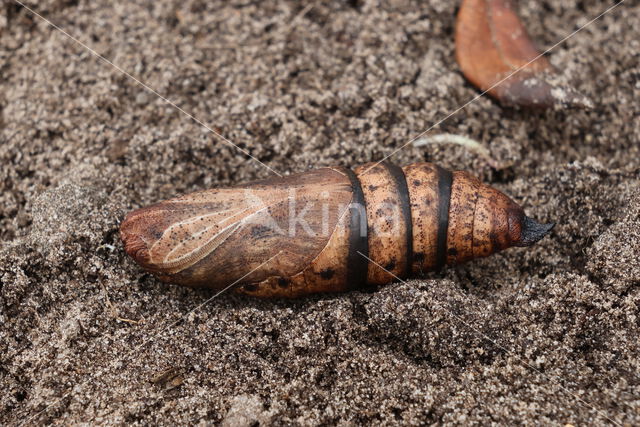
(547, 334)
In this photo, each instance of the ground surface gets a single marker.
(546, 334)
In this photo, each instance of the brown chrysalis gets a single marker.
(492, 43)
(332, 229)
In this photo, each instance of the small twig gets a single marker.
(114, 312)
(300, 15)
(471, 144)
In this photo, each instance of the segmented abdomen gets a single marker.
(346, 230)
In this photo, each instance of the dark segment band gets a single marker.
(357, 264)
(445, 181)
(400, 179)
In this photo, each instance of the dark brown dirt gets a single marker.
(547, 334)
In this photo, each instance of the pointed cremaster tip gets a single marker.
(532, 231)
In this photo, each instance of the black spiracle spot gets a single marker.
(250, 287)
(390, 265)
(282, 282)
(327, 273)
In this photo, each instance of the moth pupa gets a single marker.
(327, 230)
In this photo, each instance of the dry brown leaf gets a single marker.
(492, 43)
